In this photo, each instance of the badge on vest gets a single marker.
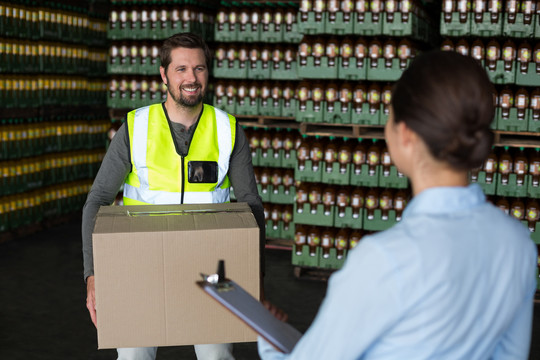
(202, 172)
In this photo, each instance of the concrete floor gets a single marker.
(42, 300)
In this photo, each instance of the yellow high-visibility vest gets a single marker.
(160, 176)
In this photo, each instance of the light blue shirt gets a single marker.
(455, 279)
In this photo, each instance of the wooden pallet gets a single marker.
(312, 274)
(267, 121)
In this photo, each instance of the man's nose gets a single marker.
(191, 76)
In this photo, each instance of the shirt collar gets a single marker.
(443, 200)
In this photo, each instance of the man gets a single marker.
(179, 152)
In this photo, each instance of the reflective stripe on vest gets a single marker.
(143, 194)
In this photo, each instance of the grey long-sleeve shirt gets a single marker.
(116, 166)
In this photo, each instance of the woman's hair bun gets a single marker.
(447, 99)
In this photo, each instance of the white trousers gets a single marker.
(203, 352)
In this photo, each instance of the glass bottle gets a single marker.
(327, 241)
(330, 154)
(341, 242)
(303, 153)
(313, 240)
(359, 157)
(532, 214)
(300, 238)
(506, 165)
(372, 202)
(534, 167)
(386, 203)
(355, 238)
(344, 156)
(316, 154)
(301, 197)
(522, 103)
(314, 197)
(400, 202)
(342, 200)
(328, 199)
(517, 209)
(357, 201)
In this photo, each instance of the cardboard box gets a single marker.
(146, 262)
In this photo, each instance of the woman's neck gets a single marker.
(440, 176)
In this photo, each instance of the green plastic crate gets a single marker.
(259, 70)
(364, 178)
(247, 107)
(308, 173)
(532, 190)
(487, 188)
(393, 180)
(512, 123)
(322, 71)
(377, 223)
(280, 72)
(309, 114)
(292, 35)
(335, 114)
(271, 35)
(529, 78)
(304, 258)
(236, 71)
(227, 34)
(382, 73)
(455, 27)
(512, 188)
(318, 218)
(264, 194)
(347, 220)
(352, 71)
(249, 34)
(335, 176)
(340, 26)
(368, 27)
(279, 196)
(331, 262)
(365, 117)
(270, 107)
(270, 160)
(310, 26)
(517, 29)
(289, 108)
(500, 75)
(415, 27)
(486, 28)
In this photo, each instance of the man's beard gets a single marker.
(184, 101)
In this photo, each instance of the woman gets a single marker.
(455, 279)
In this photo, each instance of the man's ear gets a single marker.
(163, 75)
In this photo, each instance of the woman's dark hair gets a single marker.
(183, 40)
(447, 99)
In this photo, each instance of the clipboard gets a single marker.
(248, 309)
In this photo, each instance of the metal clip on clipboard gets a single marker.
(218, 279)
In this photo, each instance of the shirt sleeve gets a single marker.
(243, 182)
(515, 342)
(350, 319)
(111, 175)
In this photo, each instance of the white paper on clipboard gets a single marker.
(231, 295)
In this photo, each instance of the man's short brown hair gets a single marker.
(183, 40)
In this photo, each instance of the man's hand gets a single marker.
(91, 299)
